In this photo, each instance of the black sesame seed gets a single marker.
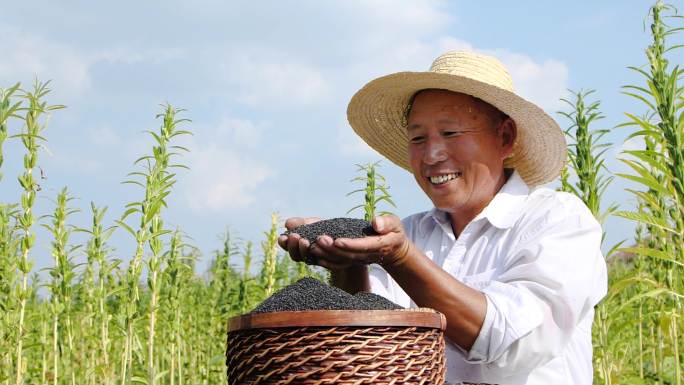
(312, 294)
(335, 228)
(376, 302)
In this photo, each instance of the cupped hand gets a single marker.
(389, 247)
(294, 244)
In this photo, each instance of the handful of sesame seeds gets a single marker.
(335, 228)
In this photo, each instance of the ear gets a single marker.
(507, 133)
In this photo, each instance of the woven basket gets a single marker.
(350, 347)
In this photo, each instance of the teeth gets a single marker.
(443, 178)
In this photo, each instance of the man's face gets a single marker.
(456, 150)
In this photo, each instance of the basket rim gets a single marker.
(307, 318)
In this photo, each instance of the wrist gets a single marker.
(399, 256)
(351, 279)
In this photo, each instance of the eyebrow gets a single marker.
(414, 126)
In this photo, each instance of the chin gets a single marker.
(447, 206)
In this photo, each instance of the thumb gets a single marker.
(294, 222)
(384, 224)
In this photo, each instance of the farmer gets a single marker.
(514, 266)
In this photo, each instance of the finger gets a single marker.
(282, 241)
(293, 247)
(318, 251)
(367, 244)
(294, 222)
(303, 246)
(323, 249)
(309, 220)
(322, 253)
(334, 254)
(379, 249)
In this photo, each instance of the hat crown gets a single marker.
(483, 68)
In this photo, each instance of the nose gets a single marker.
(435, 150)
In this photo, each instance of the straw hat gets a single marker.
(377, 112)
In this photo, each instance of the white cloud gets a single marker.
(352, 146)
(631, 144)
(222, 178)
(26, 57)
(403, 14)
(225, 170)
(264, 76)
(239, 132)
(127, 55)
(74, 162)
(104, 136)
(543, 83)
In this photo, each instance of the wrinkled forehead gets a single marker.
(457, 101)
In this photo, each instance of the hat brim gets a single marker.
(377, 114)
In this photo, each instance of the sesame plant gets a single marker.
(157, 183)
(96, 279)
(61, 290)
(33, 124)
(103, 322)
(247, 284)
(375, 191)
(8, 108)
(585, 177)
(270, 259)
(9, 239)
(659, 248)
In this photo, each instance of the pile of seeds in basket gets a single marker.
(312, 294)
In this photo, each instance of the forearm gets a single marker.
(430, 286)
(352, 279)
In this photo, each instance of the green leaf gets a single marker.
(642, 295)
(654, 253)
(652, 158)
(647, 181)
(129, 212)
(646, 218)
(161, 374)
(126, 227)
(617, 287)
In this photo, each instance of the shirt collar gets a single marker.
(506, 207)
(441, 218)
(502, 212)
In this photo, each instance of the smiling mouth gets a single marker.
(444, 178)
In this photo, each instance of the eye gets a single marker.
(417, 139)
(451, 134)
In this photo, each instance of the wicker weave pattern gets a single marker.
(336, 355)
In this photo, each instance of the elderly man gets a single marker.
(515, 267)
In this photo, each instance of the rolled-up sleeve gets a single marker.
(550, 282)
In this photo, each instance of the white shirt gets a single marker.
(536, 256)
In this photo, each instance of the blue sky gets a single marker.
(266, 85)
